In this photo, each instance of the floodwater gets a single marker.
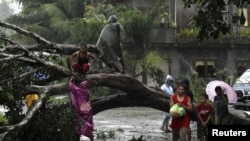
(126, 123)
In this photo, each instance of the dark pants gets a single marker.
(202, 132)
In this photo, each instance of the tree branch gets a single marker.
(38, 38)
(27, 118)
(135, 93)
(10, 57)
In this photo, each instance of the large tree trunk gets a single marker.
(134, 93)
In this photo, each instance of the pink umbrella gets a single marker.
(227, 89)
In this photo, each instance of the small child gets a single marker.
(204, 113)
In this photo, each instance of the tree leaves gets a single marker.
(209, 18)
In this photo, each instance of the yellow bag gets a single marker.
(30, 98)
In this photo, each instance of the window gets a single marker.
(241, 66)
(205, 68)
(242, 16)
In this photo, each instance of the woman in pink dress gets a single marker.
(80, 99)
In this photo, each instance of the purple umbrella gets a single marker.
(227, 89)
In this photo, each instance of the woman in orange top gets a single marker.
(180, 125)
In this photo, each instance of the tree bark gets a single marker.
(134, 93)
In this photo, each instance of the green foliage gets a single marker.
(87, 30)
(154, 62)
(154, 59)
(101, 134)
(135, 19)
(143, 23)
(137, 139)
(245, 33)
(120, 130)
(52, 10)
(52, 122)
(209, 18)
(188, 33)
(111, 134)
(99, 92)
(2, 42)
(197, 86)
(3, 119)
(149, 64)
(50, 19)
(168, 22)
(71, 8)
(13, 89)
(105, 9)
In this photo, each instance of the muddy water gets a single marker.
(133, 121)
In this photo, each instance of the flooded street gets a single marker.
(124, 123)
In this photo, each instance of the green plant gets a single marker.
(101, 134)
(3, 120)
(245, 33)
(188, 33)
(197, 86)
(164, 20)
(111, 134)
(99, 92)
(137, 139)
(52, 122)
(120, 130)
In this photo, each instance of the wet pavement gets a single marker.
(126, 123)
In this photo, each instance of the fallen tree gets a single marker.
(134, 93)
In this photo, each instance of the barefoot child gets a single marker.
(204, 111)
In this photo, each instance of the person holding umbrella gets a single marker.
(220, 106)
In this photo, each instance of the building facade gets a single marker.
(211, 59)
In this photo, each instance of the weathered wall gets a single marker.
(183, 55)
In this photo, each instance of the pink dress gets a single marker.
(80, 99)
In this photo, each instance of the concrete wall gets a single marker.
(184, 55)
